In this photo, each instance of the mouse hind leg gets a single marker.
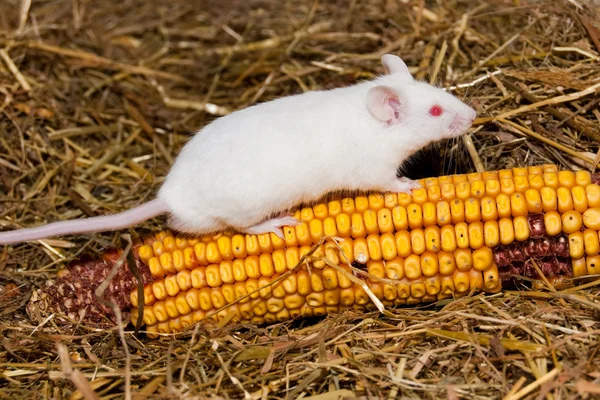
(273, 225)
(207, 226)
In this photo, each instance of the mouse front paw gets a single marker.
(274, 225)
(403, 185)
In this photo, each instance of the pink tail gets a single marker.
(121, 220)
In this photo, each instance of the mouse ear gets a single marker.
(394, 64)
(383, 103)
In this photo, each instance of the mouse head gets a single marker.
(416, 108)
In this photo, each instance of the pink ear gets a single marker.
(383, 103)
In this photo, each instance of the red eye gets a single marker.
(436, 111)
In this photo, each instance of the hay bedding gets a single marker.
(97, 98)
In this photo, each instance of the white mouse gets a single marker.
(246, 169)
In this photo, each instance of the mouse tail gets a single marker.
(112, 222)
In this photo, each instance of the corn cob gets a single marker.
(455, 235)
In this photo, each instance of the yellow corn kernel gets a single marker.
(279, 261)
(419, 195)
(361, 203)
(371, 220)
(189, 258)
(403, 289)
(412, 267)
(457, 210)
(566, 179)
(159, 290)
(432, 238)
(461, 282)
(579, 268)
(591, 218)
(388, 246)
(417, 290)
(361, 251)
(491, 233)
(592, 193)
(155, 268)
(461, 231)
(446, 287)
(591, 243)
(507, 186)
(171, 308)
(579, 198)
(518, 205)
(583, 178)
(429, 264)
(265, 243)
(553, 223)
(198, 277)
(464, 259)
(415, 216)
(444, 216)
(593, 265)
(400, 217)
(429, 214)
(252, 246)
(519, 171)
(478, 189)
(417, 241)
(404, 199)
(476, 236)
(192, 298)
(507, 232)
(572, 221)
(483, 259)
(145, 253)
(533, 200)
(332, 253)
(315, 228)
(448, 191)
(395, 269)
(522, 230)
(347, 253)
(475, 280)
(181, 304)
(166, 262)
(536, 181)
(521, 183)
(503, 205)
(385, 220)
(434, 193)
(374, 247)
(171, 285)
(149, 316)
(446, 263)
(358, 226)
(487, 175)
(492, 187)
(213, 276)
(549, 199)
(576, 246)
(159, 311)
(463, 190)
(448, 238)
(158, 248)
(472, 210)
(334, 208)
(488, 209)
(348, 205)
(551, 179)
(330, 278)
(565, 200)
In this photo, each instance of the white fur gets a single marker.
(268, 158)
(265, 159)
